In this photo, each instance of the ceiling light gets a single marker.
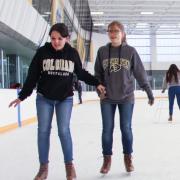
(141, 25)
(147, 12)
(47, 12)
(168, 26)
(99, 24)
(44, 15)
(97, 13)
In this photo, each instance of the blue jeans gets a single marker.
(45, 109)
(173, 92)
(108, 113)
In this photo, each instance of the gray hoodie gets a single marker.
(116, 68)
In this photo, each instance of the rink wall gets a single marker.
(25, 113)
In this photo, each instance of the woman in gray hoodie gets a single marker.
(117, 64)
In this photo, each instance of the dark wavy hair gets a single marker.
(61, 28)
(172, 72)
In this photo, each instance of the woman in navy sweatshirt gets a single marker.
(51, 70)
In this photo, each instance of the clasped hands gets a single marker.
(101, 91)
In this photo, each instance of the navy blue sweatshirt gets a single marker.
(52, 72)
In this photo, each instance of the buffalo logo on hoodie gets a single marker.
(115, 66)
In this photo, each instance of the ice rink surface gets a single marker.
(156, 153)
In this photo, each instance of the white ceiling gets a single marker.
(165, 20)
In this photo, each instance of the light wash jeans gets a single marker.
(108, 113)
(173, 92)
(45, 109)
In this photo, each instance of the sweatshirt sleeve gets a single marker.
(140, 74)
(32, 78)
(82, 74)
(98, 69)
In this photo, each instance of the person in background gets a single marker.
(78, 88)
(15, 86)
(172, 82)
(116, 66)
(52, 71)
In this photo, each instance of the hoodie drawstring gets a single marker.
(109, 59)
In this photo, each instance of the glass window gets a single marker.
(168, 48)
(175, 50)
(6, 72)
(0, 68)
(167, 42)
(11, 69)
(24, 66)
(143, 50)
(4, 75)
(145, 58)
(139, 42)
(168, 58)
(142, 44)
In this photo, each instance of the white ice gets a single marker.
(156, 153)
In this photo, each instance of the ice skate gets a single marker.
(170, 119)
(128, 163)
(70, 171)
(106, 164)
(43, 172)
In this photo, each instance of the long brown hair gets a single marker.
(172, 72)
(120, 26)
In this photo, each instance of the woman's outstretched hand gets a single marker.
(15, 102)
